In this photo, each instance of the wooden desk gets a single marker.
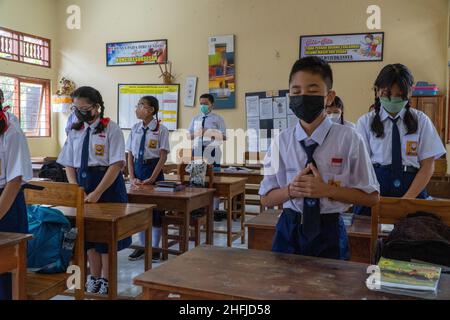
(13, 258)
(184, 202)
(110, 222)
(261, 231)
(254, 176)
(227, 188)
(229, 273)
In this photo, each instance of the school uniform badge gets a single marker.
(411, 148)
(100, 150)
(152, 144)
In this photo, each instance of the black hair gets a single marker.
(94, 97)
(338, 103)
(314, 65)
(208, 96)
(153, 102)
(400, 75)
(2, 96)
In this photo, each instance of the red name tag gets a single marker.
(336, 162)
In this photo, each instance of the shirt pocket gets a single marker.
(410, 145)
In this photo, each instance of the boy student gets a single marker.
(323, 167)
(208, 130)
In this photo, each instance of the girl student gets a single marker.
(148, 147)
(94, 156)
(335, 112)
(402, 141)
(15, 171)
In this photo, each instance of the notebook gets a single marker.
(168, 186)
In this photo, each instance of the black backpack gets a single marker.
(420, 236)
(53, 171)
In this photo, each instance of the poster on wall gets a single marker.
(222, 71)
(355, 47)
(130, 94)
(190, 90)
(136, 53)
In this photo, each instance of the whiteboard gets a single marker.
(130, 94)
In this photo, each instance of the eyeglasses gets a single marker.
(141, 106)
(83, 109)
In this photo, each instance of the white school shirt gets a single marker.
(346, 123)
(15, 158)
(212, 121)
(105, 148)
(154, 141)
(423, 144)
(13, 120)
(341, 159)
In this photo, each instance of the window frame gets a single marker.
(19, 56)
(46, 91)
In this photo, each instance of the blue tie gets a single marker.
(142, 146)
(85, 156)
(396, 164)
(311, 206)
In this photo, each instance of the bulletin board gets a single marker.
(265, 112)
(167, 95)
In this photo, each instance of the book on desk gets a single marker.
(169, 186)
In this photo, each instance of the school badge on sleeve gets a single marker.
(411, 148)
(100, 150)
(153, 144)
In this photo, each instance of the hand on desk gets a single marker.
(92, 197)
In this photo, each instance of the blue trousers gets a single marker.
(332, 242)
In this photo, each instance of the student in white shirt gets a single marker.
(94, 156)
(12, 119)
(15, 171)
(148, 147)
(335, 112)
(402, 141)
(315, 169)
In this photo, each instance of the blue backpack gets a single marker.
(51, 248)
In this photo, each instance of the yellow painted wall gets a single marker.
(416, 35)
(38, 18)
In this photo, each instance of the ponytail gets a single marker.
(377, 126)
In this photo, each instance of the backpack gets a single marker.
(420, 236)
(51, 248)
(197, 171)
(53, 171)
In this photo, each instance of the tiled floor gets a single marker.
(130, 269)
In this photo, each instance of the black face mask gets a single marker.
(307, 108)
(84, 116)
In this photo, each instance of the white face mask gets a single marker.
(335, 117)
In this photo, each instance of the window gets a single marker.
(29, 99)
(25, 48)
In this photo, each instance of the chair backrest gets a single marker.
(254, 157)
(184, 176)
(65, 195)
(392, 210)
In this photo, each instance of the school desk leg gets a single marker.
(242, 218)
(210, 223)
(148, 248)
(19, 274)
(112, 260)
(185, 246)
(229, 223)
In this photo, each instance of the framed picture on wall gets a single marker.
(136, 53)
(353, 47)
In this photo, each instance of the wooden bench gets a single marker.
(46, 286)
(261, 230)
(392, 210)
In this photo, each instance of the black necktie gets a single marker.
(85, 156)
(396, 164)
(311, 206)
(142, 146)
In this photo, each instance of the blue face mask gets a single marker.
(204, 108)
(394, 105)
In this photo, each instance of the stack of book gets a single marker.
(169, 186)
(407, 278)
(425, 89)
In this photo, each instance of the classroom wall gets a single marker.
(267, 35)
(38, 18)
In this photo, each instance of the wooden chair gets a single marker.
(251, 157)
(176, 220)
(252, 196)
(392, 210)
(46, 286)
